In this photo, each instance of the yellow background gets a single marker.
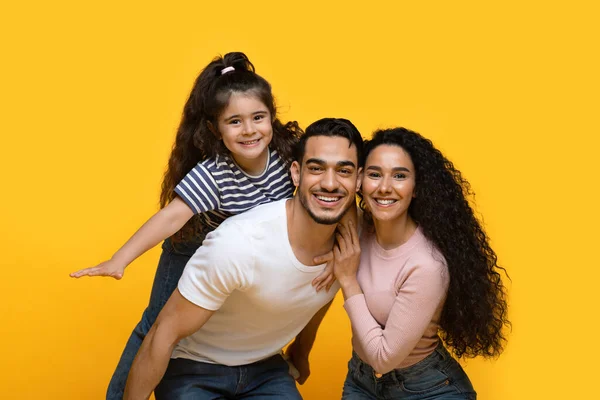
(91, 95)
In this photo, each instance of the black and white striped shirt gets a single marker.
(217, 188)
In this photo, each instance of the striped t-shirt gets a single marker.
(217, 188)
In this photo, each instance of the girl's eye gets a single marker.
(373, 175)
(399, 176)
(258, 117)
(235, 121)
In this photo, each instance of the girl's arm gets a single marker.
(160, 226)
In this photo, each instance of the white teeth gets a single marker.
(385, 202)
(251, 142)
(328, 199)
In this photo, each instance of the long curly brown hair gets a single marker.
(195, 141)
(475, 312)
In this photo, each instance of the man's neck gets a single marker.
(308, 238)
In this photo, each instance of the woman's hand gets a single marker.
(346, 252)
(107, 268)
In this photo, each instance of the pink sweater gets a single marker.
(395, 321)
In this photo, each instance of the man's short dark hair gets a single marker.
(330, 127)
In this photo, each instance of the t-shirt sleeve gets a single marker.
(412, 311)
(199, 190)
(224, 263)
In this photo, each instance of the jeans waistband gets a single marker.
(440, 354)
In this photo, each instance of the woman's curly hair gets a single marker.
(196, 140)
(475, 311)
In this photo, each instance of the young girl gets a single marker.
(231, 154)
(424, 264)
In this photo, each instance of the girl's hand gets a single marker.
(107, 268)
(346, 253)
(325, 278)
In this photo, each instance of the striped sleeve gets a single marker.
(199, 190)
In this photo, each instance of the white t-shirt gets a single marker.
(246, 271)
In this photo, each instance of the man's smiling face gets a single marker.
(327, 180)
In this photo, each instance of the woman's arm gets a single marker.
(413, 309)
(160, 226)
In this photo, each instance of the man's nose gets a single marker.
(330, 181)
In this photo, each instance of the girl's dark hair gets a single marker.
(195, 141)
(475, 311)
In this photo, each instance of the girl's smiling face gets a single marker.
(246, 128)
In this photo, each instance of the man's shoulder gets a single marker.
(261, 214)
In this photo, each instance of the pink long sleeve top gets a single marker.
(396, 319)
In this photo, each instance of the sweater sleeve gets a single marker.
(412, 311)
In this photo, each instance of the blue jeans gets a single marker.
(192, 380)
(172, 261)
(437, 376)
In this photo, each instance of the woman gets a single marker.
(426, 267)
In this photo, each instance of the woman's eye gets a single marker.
(399, 176)
(373, 175)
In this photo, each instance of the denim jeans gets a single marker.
(172, 261)
(192, 380)
(437, 376)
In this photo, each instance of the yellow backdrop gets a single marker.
(91, 95)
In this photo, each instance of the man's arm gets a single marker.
(300, 348)
(177, 320)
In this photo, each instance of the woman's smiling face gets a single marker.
(388, 184)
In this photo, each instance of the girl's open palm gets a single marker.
(107, 268)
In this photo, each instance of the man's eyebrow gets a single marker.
(344, 163)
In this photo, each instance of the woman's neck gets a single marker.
(393, 233)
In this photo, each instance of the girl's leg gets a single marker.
(170, 268)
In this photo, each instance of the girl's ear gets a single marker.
(214, 131)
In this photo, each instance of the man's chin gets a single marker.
(327, 219)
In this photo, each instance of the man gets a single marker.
(247, 291)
